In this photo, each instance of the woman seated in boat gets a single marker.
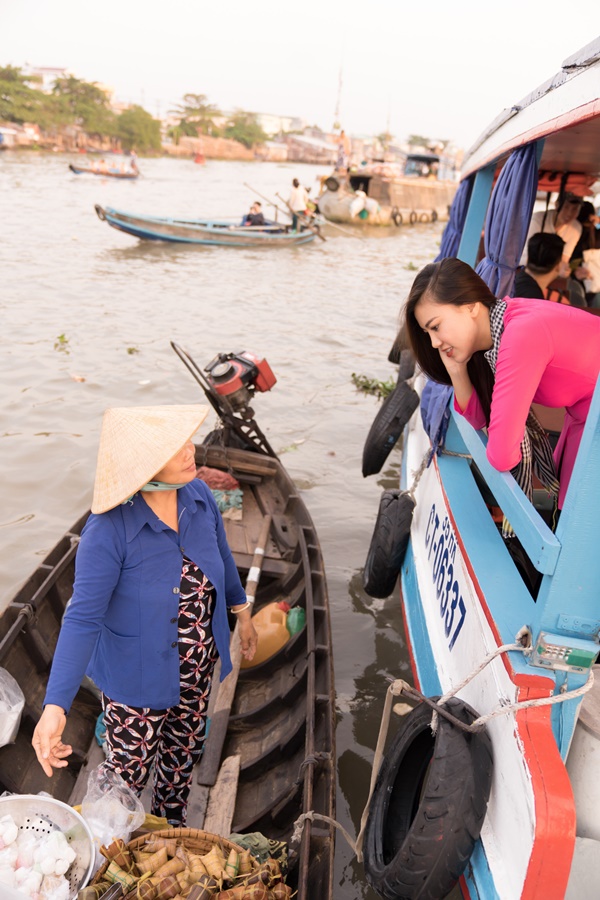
(255, 216)
(500, 356)
(154, 577)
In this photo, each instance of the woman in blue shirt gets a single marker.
(154, 577)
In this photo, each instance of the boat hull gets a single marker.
(282, 723)
(452, 621)
(110, 173)
(374, 199)
(220, 233)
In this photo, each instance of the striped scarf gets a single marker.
(536, 452)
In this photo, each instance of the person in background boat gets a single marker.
(298, 202)
(344, 151)
(133, 162)
(500, 356)
(102, 167)
(255, 216)
(562, 221)
(589, 240)
(154, 578)
(544, 260)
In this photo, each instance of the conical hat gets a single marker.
(137, 442)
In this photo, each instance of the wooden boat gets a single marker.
(221, 232)
(277, 732)
(420, 190)
(463, 596)
(109, 172)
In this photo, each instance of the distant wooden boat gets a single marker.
(420, 190)
(109, 172)
(222, 232)
(278, 731)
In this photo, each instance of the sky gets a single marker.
(440, 69)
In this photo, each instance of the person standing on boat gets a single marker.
(298, 202)
(500, 356)
(561, 221)
(154, 577)
(589, 240)
(344, 151)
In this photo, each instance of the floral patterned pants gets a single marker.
(170, 740)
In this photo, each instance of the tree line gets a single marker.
(74, 102)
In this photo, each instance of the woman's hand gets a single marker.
(47, 739)
(459, 376)
(248, 634)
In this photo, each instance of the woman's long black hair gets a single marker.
(454, 282)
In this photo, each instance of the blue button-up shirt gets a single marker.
(121, 626)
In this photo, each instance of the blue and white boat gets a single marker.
(463, 597)
(221, 232)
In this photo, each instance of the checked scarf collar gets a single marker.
(536, 452)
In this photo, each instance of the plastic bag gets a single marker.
(12, 702)
(110, 808)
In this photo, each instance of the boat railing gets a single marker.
(567, 600)
(539, 542)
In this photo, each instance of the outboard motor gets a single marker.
(237, 376)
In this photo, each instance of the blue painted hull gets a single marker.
(209, 232)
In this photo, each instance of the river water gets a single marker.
(87, 315)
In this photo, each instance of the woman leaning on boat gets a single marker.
(500, 356)
(154, 577)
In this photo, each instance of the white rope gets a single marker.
(417, 473)
(398, 686)
(504, 648)
(510, 707)
(394, 690)
(541, 701)
(312, 815)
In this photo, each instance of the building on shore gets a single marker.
(302, 148)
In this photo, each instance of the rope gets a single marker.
(399, 687)
(393, 690)
(311, 816)
(417, 473)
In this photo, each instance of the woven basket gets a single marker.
(199, 842)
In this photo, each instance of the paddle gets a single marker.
(266, 199)
(291, 212)
(213, 747)
(304, 219)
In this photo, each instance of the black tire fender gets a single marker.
(434, 215)
(388, 543)
(406, 366)
(396, 216)
(387, 427)
(413, 217)
(428, 806)
(100, 212)
(332, 184)
(424, 217)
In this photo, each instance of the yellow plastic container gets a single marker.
(272, 634)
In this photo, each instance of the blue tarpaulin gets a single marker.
(508, 219)
(456, 222)
(435, 413)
